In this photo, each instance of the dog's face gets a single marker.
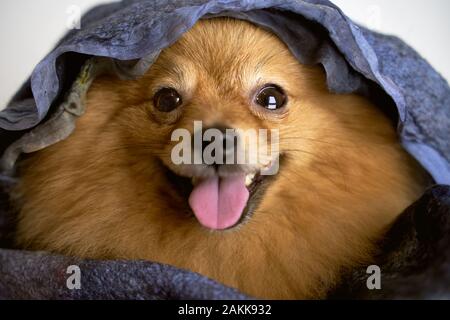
(246, 81)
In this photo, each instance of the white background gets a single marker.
(30, 28)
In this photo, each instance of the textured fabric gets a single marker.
(37, 275)
(130, 35)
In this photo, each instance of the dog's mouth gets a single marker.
(221, 203)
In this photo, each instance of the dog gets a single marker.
(112, 190)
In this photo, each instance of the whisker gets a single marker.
(318, 141)
(324, 162)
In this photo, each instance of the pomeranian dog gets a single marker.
(112, 191)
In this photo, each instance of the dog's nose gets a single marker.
(229, 141)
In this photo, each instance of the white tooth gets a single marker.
(249, 179)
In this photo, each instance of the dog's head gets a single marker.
(213, 107)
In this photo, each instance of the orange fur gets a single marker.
(102, 192)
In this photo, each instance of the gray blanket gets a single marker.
(129, 36)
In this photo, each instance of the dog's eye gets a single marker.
(167, 99)
(271, 97)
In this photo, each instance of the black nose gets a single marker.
(229, 142)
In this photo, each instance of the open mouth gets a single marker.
(221, 203)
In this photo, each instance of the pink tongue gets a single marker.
(218, 203)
